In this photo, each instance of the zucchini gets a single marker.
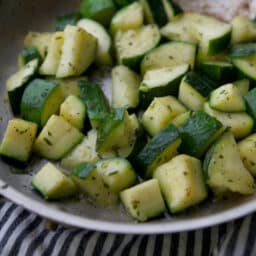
(117, 173)
(38, 40)
(243, 57)
(154, 12)
(143, 201)
(125, 87)
(90, 182)
(169, 54)
(172, 9)
(114, 132)
(129, 17)
(160, 113)
(194, 90)
(18, 132)
(247, 150)
(52, 183)
(160, 149)
(224, 168)
(52, 59)
(243, 86)
(243, 30)
(68, 19)
(137, 142)
(198, 133)
(240, 123)
(246, 67)
(181, 118)
(95, 101)
(178, 29)
(123, 3)
(78, 52)
(250, 99)
(40, 100)
(219, 71)
(104, 42)
(243, 50)
(57, 138)
(182, 183)
(227, 98)
(212, 34)
(204, 57)
(70, 85)
(73, 110)
(161, 82)
(85, 151)
(17, 83)
(26, 55)
(100, 10)
(133, 44)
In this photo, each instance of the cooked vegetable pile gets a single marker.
(182, 116)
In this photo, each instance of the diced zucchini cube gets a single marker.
(18, 139)
(160, 149)
(40, 100)
(90, 182)
(57, 138)
(73, 110)
(198, 133)
(52, 59)
(224, 168)
(160, 113)
(227, 98)
(78, 52)
(117, 173)
(52, 183)
(182, 182)
(83, 152)
(143, 201)
(247, 149)
(115, 131)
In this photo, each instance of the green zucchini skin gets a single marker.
(243, 50)
(30, 54)
(36, 98)
(201, 83)
(18, 82)
(69, 19)
(110, 123)
(158, 12)
(224, 169)
(250, 101)
(123, 3)
(100, 10)
(217, 71)
(198, 133)
(96, 103)
(146, 94)
(150, 156)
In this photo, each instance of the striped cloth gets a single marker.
(24, 234)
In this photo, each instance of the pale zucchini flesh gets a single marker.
(240, 123)
(52, 183)
(52, 59)
(18, 132)
(225, 170)
(143, 201)
(57, 138)
(160, 113)
(182, 182)
(78, 52)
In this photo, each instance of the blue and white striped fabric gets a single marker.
(24, 234)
